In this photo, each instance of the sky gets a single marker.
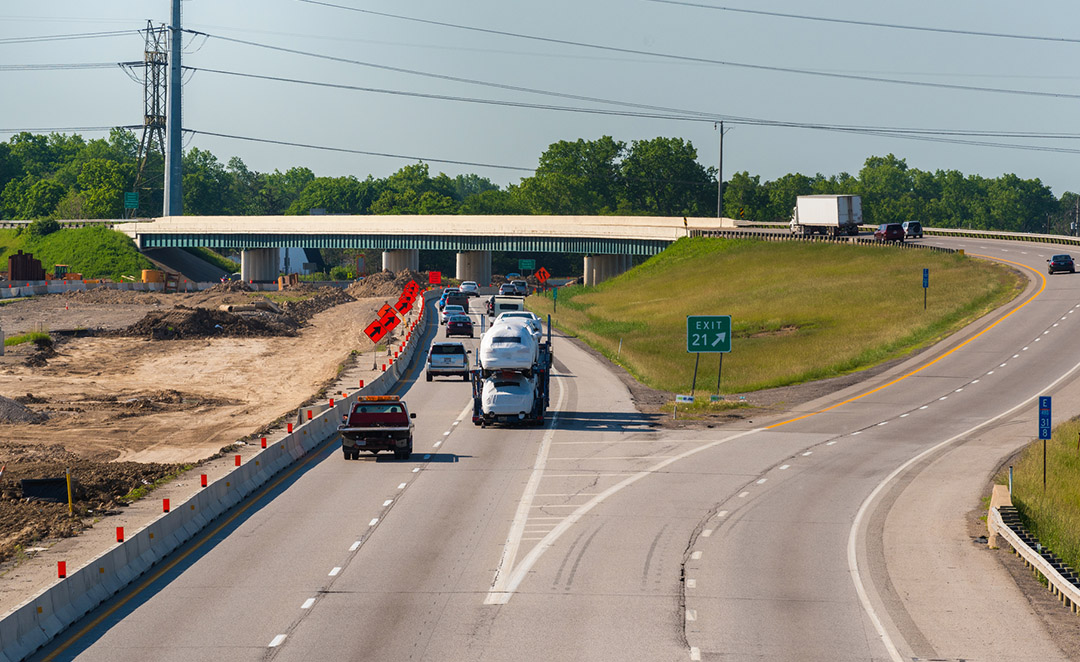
(652, 68)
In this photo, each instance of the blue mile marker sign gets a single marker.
(1044, 417)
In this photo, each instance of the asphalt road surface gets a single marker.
(837, 532)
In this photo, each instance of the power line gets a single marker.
(66, 37)
(58, 67)
(680, 115)
(893, 26)
(356, 151)
(64, 129)
(700, 60)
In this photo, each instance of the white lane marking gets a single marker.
(1025, 349)
(308, 603)
(924, 407)
(691, 614)
(355, 546)
(1005, 364)
(446, 434)
(1046, 332)
(630, 441)
(944, 397)
(856, 432)
(743, 495)
(401, 486)
(387, 503)
(808, 453)
(373, 522)
(852, 552)
(695, 654)
(784, 466)
(990, 373)
(1055, 323)
(696, 555)
(506, 580)
(1016, 356)
(567, 495)
(588, 474)
(722, 513)
(415, 469)
(975, 381)
(455, 423)
(904, 415)
(277, 641)
(436, 444)
(610, 457)
(691, 583)
(762, 481)
(1038, 339)
(555, 505)
(706, 533)
(334, 572)
(883, 423)
(959, 389)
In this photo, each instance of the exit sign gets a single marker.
(708, 333)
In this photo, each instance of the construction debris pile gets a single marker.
(183, 322)
(385, 284)
(13, 412)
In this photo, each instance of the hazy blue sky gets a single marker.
(452, 130)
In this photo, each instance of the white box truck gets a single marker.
(826, 214)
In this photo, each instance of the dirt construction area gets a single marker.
(125, 388)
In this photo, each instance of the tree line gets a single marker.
(59, 176)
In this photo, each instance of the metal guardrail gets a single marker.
(1060, 578)
(774, 236)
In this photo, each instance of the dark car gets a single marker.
(1061, 263)
(889, 232)
(489, 305)
(912, 229)
(459, 325)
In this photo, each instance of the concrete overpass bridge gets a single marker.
(608, 243)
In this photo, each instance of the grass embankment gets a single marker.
(94, 252)
(214, 258)
(1051, 515)
(800, 311)
(33, 336)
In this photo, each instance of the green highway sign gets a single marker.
(131, 200)
(708, 333)
(526, 265)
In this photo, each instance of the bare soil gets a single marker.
(133, 386)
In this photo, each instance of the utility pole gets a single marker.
(720, 173)
(174, 202)
(155, 61)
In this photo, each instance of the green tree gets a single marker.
(886, 188)
(205, 183)
(782, 193)
(494, 202)
(663, 177)
(745, 197)
(579, 177)
(280, 190)
(102, 182)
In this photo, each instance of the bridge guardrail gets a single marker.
(1062, 582)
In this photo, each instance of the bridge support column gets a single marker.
(401, 259)
(599, 268)
(474, 265)
(259, 264)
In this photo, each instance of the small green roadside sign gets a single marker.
(526, 265)
(708, 333)
(131, 200)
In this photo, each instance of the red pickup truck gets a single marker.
(377, 423)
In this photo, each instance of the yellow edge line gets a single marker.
(251, 501)
(927, 365)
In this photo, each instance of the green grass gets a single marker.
(143, 490)
(219, 261)
(800, 311)
(95, 252)
(1053, 515)
(33, 336)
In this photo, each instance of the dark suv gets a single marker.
(1061, 263)
(889, 232)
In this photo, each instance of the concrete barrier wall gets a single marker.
(34, 623)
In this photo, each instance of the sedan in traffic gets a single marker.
(1063, 262)
(448, 311)
(459, 325)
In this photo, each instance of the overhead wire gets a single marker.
(66, 37)
(848, 21)
(59, 66)
(701, 60)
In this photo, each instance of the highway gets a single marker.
(834, 532)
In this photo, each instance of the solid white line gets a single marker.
(277, 641)
(373, 522)
(308, 603)
(387, 503)
(501, 590)
(852, 553)
(355, 546)
(334, 572)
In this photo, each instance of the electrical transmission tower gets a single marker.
(155, 85)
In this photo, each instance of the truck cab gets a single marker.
(377, 423)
